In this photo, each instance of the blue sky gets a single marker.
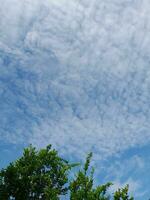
(76, 74)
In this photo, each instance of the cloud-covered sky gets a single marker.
(77, 74)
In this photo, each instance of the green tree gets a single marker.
(82, 187)
(36, 175)
(44, 175)
(122, 194)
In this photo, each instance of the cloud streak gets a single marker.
(75, 74)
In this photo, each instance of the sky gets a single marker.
(76, 74)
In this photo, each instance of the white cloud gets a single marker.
(77, 74)
(133, 190)
(127, 171)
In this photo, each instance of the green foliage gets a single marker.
(36, 175)
(82, 187)
(44, 175)
(122, 194)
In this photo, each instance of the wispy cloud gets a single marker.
(128, 171)
(75, 74)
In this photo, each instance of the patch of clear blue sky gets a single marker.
(9, 152)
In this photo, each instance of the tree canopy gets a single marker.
(44, 175)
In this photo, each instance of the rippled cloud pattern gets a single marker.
(75, 74)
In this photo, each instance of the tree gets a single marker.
(36, 175)
(82, 187)
(122, 194)
(44, 175)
